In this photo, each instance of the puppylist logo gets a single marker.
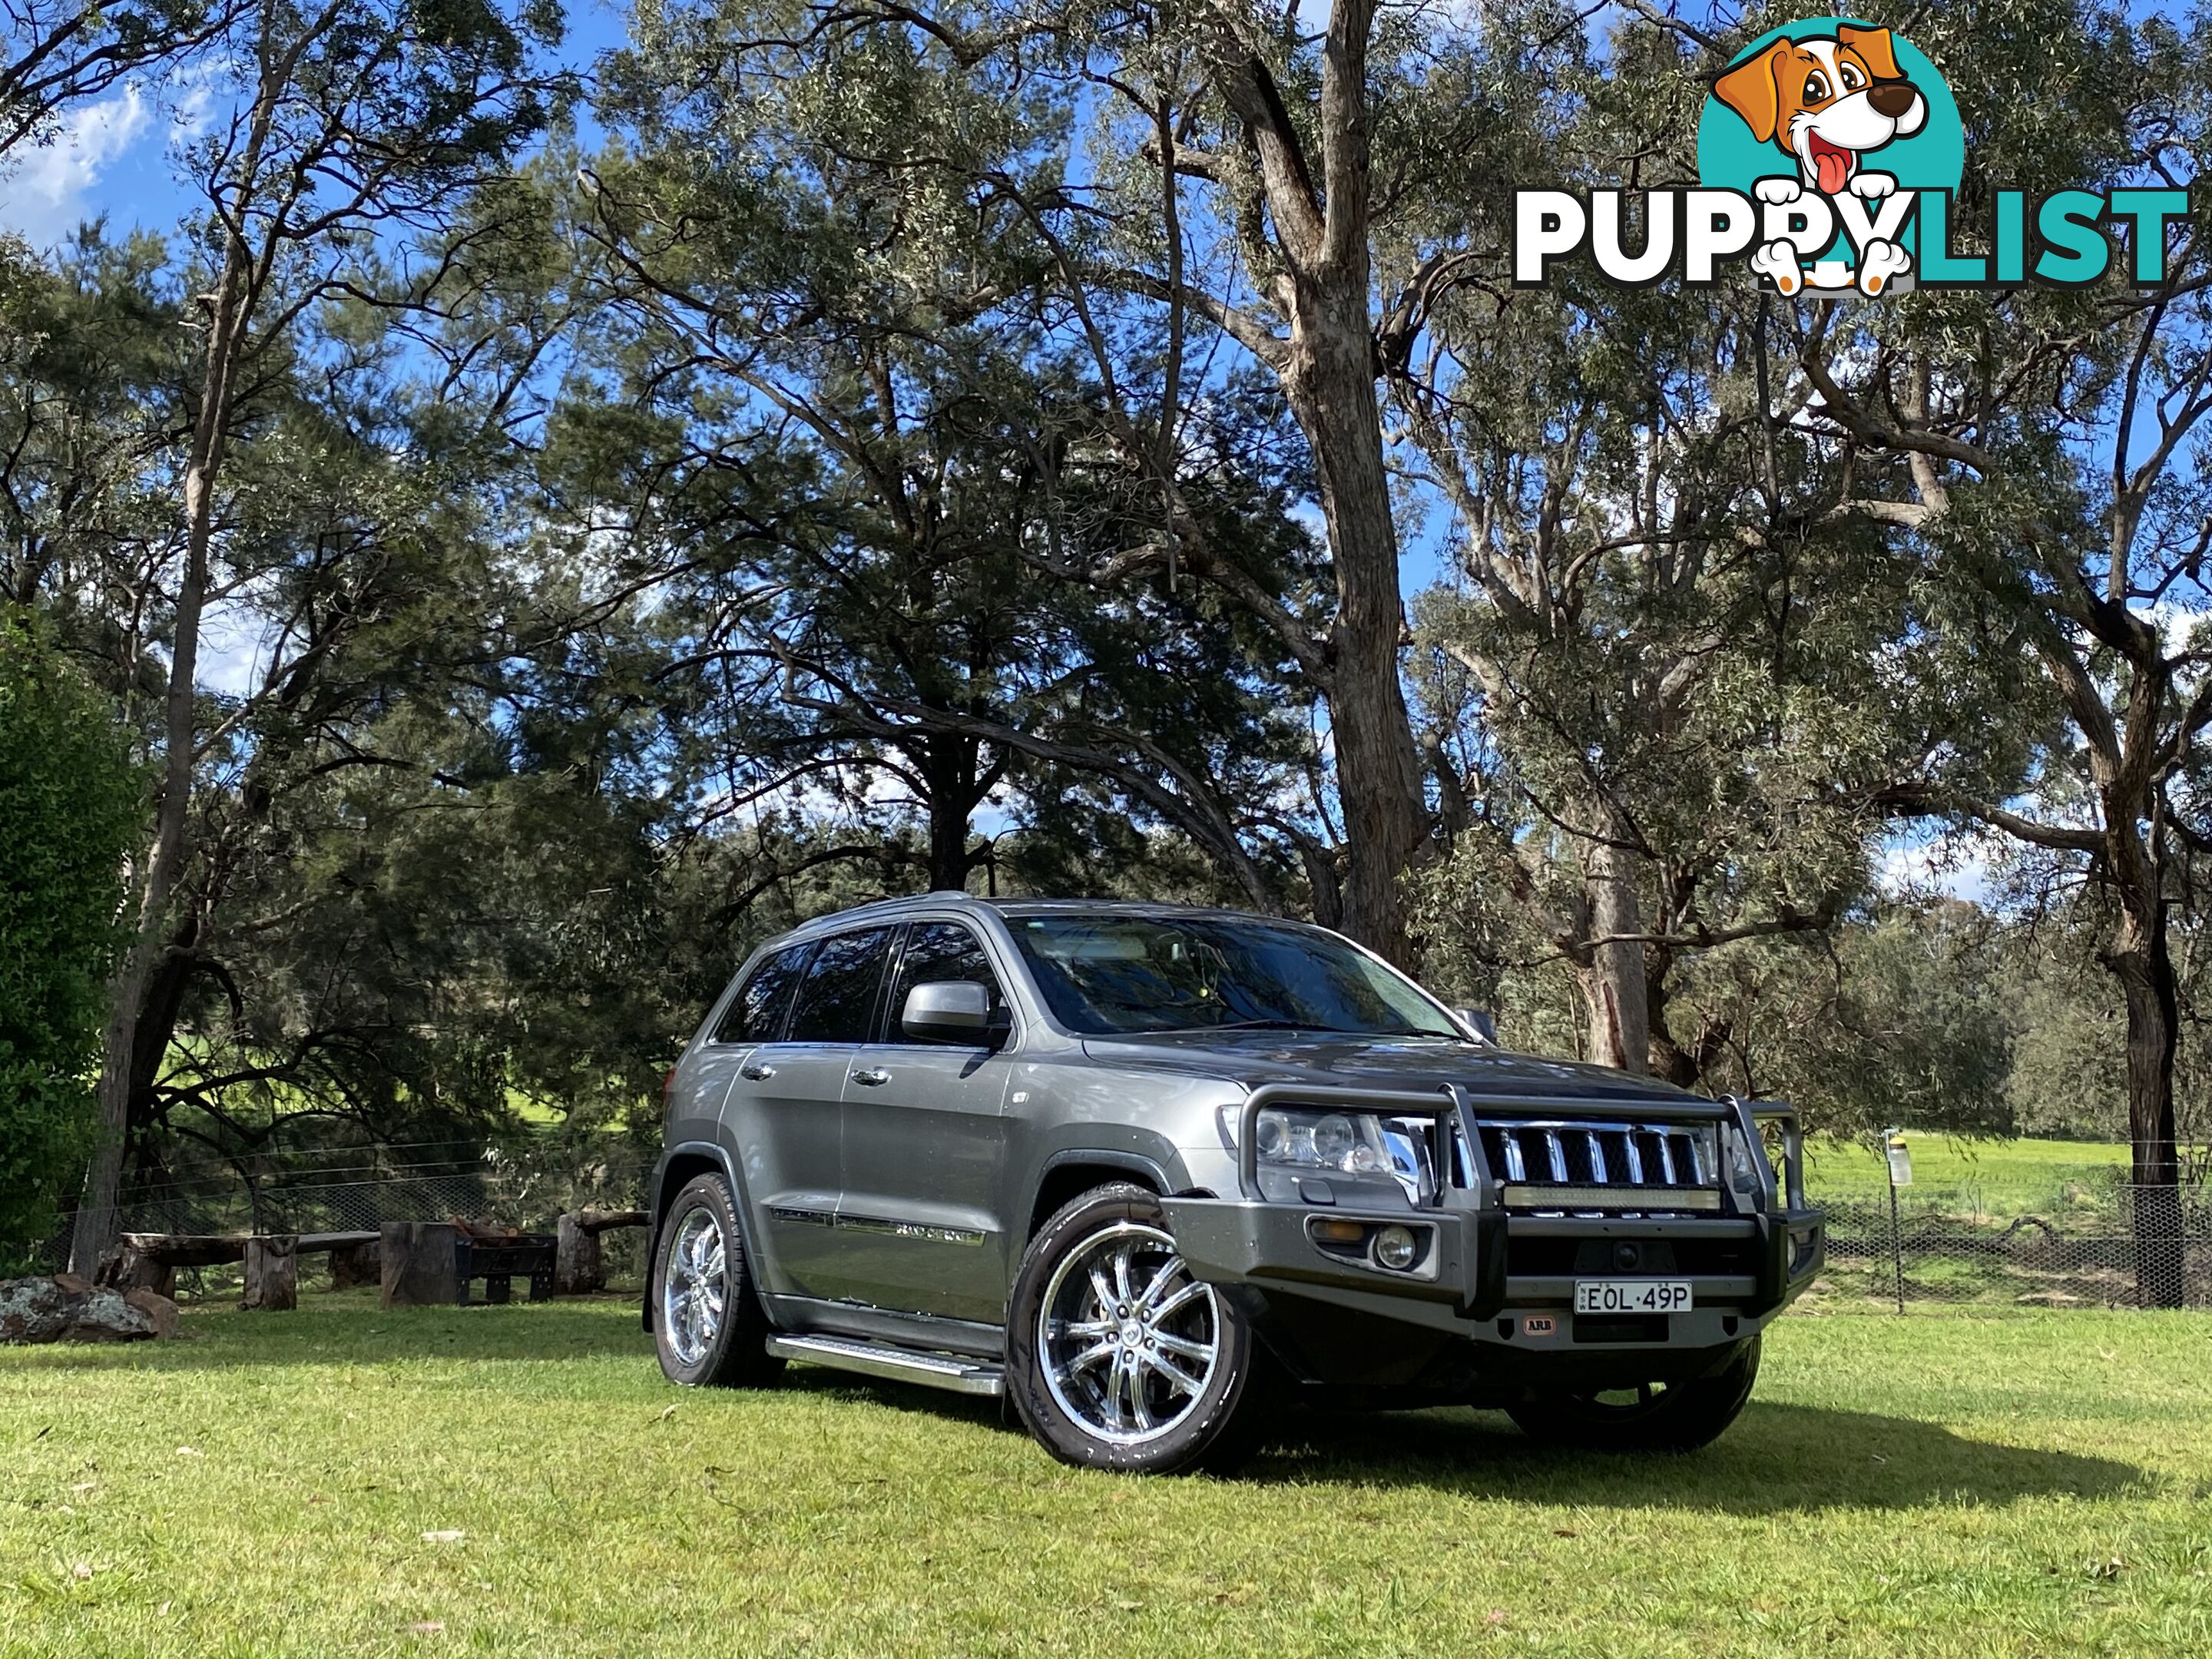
(1829, 155)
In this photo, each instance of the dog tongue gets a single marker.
(1835, 167)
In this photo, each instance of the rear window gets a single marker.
(837, 998)
(756, 1013)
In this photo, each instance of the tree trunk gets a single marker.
(272, 1272)
(1330, 380)
(948, 768)
(2141, 958)
(120, 1060)
(1613, 984)
(579, 1265)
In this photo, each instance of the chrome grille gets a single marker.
(1582, 1165)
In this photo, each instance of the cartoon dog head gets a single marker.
(1826, 101)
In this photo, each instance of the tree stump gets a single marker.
(419, 1265)
(272, 1272)
(131, 1269)
(579, 1265)
(356, 1264)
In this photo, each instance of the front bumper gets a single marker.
(1473, 1253)
(1500, 1278)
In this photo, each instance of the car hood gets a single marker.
(1253, 1058)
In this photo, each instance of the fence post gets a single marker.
(1896, 1160)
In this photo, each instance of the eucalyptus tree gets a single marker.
(426, 834)
(882, 479)
(347, 124)
(1678, 657)
(2047, 448)
(1170, 188)
(1663, 683)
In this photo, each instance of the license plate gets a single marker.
(1632, 1296)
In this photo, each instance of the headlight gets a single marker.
(1748, 1170)
(1351, 1142)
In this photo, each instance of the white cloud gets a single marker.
(1956, 865)
(236, 640)
(43, 194)
(196, 89)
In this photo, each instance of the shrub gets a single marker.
(69, 804)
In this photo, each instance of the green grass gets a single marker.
(2022, 1485)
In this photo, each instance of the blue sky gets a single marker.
(112, 158)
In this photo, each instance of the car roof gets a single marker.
(893, 910)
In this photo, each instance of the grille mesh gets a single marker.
(1583, 1162)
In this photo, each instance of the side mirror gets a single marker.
(952, 1010)
(1481, 1022)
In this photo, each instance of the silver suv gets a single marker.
(1137, 1169)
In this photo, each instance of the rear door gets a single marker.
(783, 1110)
(926, 1149)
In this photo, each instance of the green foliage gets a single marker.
(1901, 1021)
(70, 802)
(2071, 1026)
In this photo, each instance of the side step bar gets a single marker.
(898, 1364)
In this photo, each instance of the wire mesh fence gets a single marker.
(2093, 1241)
(2107, 1245)
(525, 1182)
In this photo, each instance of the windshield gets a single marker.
(1103, 974)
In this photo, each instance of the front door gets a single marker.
(783, 1110)
(924, 1150)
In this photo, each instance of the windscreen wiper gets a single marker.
(1284, 1025)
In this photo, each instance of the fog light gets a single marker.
(1394, 1246)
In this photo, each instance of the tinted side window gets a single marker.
(757, 1011)
(937, 951)
(838, 996)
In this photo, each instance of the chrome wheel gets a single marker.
(695, 1287)
(1129, 1339)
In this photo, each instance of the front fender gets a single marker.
(657, 1198)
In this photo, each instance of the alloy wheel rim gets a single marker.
(1129, 1340)
(695, 1286)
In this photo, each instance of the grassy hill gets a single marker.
(2008, 1177)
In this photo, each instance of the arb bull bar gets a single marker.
(1465, 1273)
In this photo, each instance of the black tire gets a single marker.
(1679, 1416)
(734, 1356)
(1214, 1429)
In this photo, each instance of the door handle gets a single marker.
(753, 1072)
(872, 1076)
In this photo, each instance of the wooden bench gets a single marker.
(416, 1263)
(429, 1264)
(149, 1260)
(579, 1264)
